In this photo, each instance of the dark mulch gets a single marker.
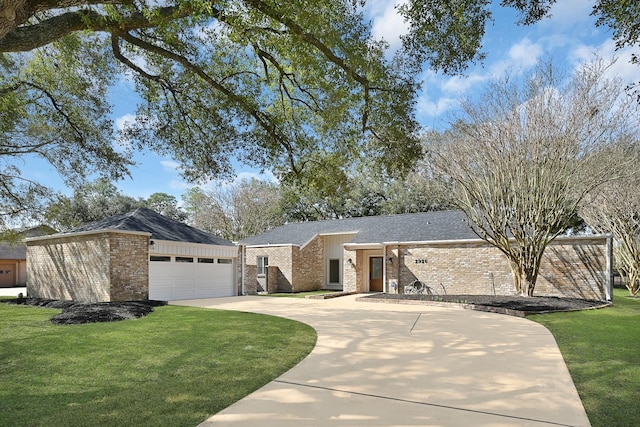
(74, 313)
(527, 305)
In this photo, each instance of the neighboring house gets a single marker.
(389, 253)
(13, 257)
(134, 256)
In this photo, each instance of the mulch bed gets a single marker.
(74, 313)
(514, 305)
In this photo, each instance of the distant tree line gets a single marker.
(250, 206)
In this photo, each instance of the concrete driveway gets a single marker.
(408, 365)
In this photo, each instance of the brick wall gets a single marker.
(309, 271)
(129, 267)
(70, 268)
(98, 267)
(280, 276)
(291, 269)
(570, 268)
(350, 275)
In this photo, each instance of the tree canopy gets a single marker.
(286, 86)
(272, 84)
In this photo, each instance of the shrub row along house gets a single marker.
(143, 255)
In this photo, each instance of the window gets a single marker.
(205, 260)
(158, 258)
(334, 271)
(183, 259)
(225, 261)
(262, 263)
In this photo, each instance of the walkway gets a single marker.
(406, 365)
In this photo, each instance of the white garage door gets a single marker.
(183, 277)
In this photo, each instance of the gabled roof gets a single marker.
(160, 227)
(418, 227)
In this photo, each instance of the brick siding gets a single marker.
(570, 268)
(97, 267)
(129, 267)
(291, 269)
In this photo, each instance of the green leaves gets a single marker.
(446, 33)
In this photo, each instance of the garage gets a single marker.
(180, 271)
(138, 255)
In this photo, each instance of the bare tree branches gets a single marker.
(524, 157)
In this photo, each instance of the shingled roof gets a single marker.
(418, 227)
(160, 227)
(18, 250)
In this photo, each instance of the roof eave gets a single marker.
(86, 233)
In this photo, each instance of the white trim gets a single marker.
(363, 246)
(270, 245)
(338, 233)
(172, 247)
(479, 240)
(243, 257)
(86, 233)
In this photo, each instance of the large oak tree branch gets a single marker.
(261, 118)
(24, 39)
(14, 13)
(311, 39)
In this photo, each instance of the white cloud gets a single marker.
(122, 120)
(182, 186)
(525, 54)
(388, 24)
(429, 108)
(521, 57)
(169, 165)
(459, 85)
(622, 68)
(569, 13)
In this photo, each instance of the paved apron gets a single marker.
(408, 365)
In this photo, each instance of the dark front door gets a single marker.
(375, 274)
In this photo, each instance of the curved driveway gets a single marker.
(408, 365)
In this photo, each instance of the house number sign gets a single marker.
(420, 261)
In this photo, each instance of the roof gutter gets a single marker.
(476, 240)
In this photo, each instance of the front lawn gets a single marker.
(601, 349)
(175, 367)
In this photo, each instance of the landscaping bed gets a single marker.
(74, 313)
(513, 305)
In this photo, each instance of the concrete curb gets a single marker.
(476, 307)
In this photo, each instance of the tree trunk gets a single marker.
(524, 277)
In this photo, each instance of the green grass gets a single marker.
(174, 367)
(299, 294)
(602, 351)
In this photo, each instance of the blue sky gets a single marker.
(569, 37)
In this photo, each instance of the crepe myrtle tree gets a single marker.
(615, 209)
(523, 156)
